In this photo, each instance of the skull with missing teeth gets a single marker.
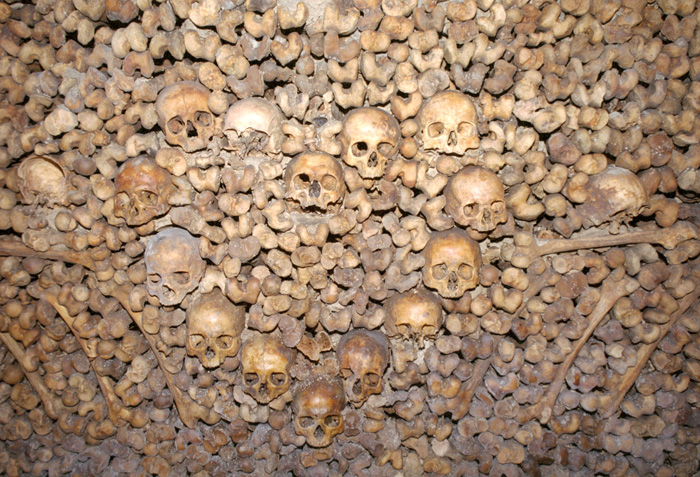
(314, 180)
(254, 124)
(416, 314)
(318, 407)
(363, 357)
(142, 191)
(214, 327)
(266, 361)
(475, 198)
(448, 123)
(173, 265)
(614, 195)
(370, 139)
(42, 179)
(184, 115)
(452, 263)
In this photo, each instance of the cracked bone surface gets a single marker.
(349, 237)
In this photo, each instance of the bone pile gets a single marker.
(349, 237)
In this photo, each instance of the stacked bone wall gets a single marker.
(349, 237)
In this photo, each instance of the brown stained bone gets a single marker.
(668, 238)
(616, 286)
(610, 402)
(189, 410)
(17, 249)
(52, 406)
(117, 411)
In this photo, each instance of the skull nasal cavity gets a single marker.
(372, 161)
(452, 140)
(318, 433)
(191, 131)
(315, 189)
(357, 388)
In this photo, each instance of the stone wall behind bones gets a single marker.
(349, 238)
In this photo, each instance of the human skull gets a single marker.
(265, 362)
(214, 327)
(254, 124)
(142, 191)
(314, 180)
(614, 195)
(452, 263)
(184, 115)
(43, 180)
(173, 265)
(448, 123)
(416, 314)
(318, 407)
(475, 198)
(363, 356)
(369, 139)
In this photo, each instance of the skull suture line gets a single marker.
(314, 180)
(184, 115)
(173, 265)
(254, 124)
(266, 361)
(318, 407)
(214, 327)
(370, 139)
(363, 357)
(452, 263)
(448, 123)
(142, 191)
(475, 198)
(614, 195)
(416, 314)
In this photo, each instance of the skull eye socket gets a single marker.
(278, 379)
(121, 199)
(435, 129)
(470, 210)
(385, 149)
(498, 207)
(148, 198)
(429, 330)
(466, 129)
(465, 271)
(197, 342)
(302, 181)
(329, 182)
(372, 379)
(440, 271)
(332, 421)
(176, 125)
(306, 422)
(202, 118)
(359, 148)
(180, 278)
(153, 278)
(250, 379)
(224, 341)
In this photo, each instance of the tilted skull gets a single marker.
(173, 265)
(265, 363)
(614, 195)
(416, 314)
(43, 180)
(254, 124)
(142, 189)
(370, 138)
(184, 115)
(318, 407)
(214, 327)
(475, 198)
(448, 123)
(452, 263)
(314, 180)
(363, 357)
